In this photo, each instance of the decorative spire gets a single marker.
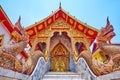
(108, 22)
(18, 22)
(60, 5)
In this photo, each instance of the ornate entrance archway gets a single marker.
(60, 59)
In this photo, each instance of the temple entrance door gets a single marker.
(60, 59)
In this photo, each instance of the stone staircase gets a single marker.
(62, 76)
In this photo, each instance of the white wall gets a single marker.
(4, 31)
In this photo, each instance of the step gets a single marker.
(7, 78)
(62, 76)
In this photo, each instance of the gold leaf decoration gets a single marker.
(56, 15)
(90, 32)
(30, 32)
(49, 21)
(80, 27)
(40, 27)
(71, 21)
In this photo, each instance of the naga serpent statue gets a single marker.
(110, 52)
(8, 53)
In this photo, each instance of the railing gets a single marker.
(41, 68)
(82, 67)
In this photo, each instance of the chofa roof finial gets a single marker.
(108, 22)
(60, 5)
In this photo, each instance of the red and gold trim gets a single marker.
(80, 27)
(31, 32)
(60, 28)
(43, 36)
(56, 16)
(16, 36)
(40, 27)
(49, 21)
(70, 21)
(6, 20)
(1, 39)
(60, 13)
(91, 33)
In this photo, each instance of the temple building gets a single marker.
(57, 48)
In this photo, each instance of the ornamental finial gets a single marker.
(60, 5)
(108, 22)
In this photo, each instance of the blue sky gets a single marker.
(92, 12)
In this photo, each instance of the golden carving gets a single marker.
(30, 32)
(60, 59)
(75, 24)
(59, 65)
(80, 27)
(76, 32)
(40, 27)
(61, 24)
(0, 52)
(1, 39)
(56, 15)
(45, 23)
(46, 32)
(71, 21)
(49, 21)
(16, 36)
(90, 32)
